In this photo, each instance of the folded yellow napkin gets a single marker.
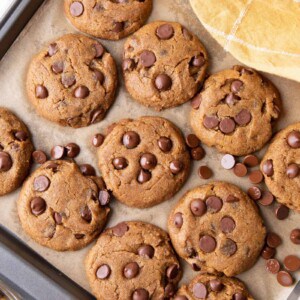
(263, 34)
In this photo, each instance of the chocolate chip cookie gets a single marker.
(73, 81)
(133, 260)
(15, 151)
(281, 166)
(164, 65)
(213, 286)
(217, 228)
(235, 111)
(108, 19)
(144, 161)
(62, 209)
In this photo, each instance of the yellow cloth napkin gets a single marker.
(263, 34)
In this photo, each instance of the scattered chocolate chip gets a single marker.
(293, 139)
(41, 183)
(240, 170)
(86, 214)
(144, 176)
(282, 212)
(146, 251)
(165, 31)
(58, 67)
(256, 176)
(99, 50)
(87, 170)
(214, 204)
(120, 229)
(68, 80)
(131, 270)
(273, 266)
(76, 9)
(41, 92)
(38, 206)
(57, 218)
(147, 58)
(243, 117)
(227, 125)
(205, 172)
(227, 224)
(254, 193)
(197, 153)
(21, 136)
(52, 49)
(104, 197)
(199, 290)
(228, 161)
(98, 140)
(207, 243)
(292, 171)
(57, 152)
(118, 27)
(236, 86)
(198, 207)
(163, 82)
(228, 248)
(148, 161)
(251, 161)
(120, 163)
(284, 278)
(98, 76)
(192, 141)
(5, 161)
(268, 252)
(178, 220)
(140, 294)
(267, 167)
(231, 199)
(72, 150)
(295, 236)
(266, 199)
(196, 101)
(176, 166)
(172, 272)
(292, 263)
(198, 61)
(273, 240)
(211, 122)
(216, 285)
(81, 92)
(39, 157)
(103, 272)
(165, 144)
(131, 139)
(128, 64)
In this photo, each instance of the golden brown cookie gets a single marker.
(108, 19)
(133, 260)
(164, 65)
(235, 111)
(62, 209)
(217, 228)
(144, 161)
(281, 166)
(73, 81)
(213, 287)
(15, 151)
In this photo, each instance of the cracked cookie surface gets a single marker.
(133, 260)
(164, 65)
(15, 151)
(235, 111)
(213, 287)
(59, 207)
(281, 166)
(144, 161)
(73, 81)
(108, 19)
(217, 228)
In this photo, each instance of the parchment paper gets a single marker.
(48, 24)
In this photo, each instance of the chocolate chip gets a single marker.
(292, 263)
(165, 31)
(72, 150)
(86, 214)
(144, 176)
(172, 272)
(76, 9)
(58, 67)
(52, 166)
(39, 157)
(68, 80)
(128, 64)
(214, 204)
(104, 197)
(207, 243)
(79, 236)
(293, 139)
(205, 172)
(57, 152)
(231, 199)
(239, 296)
(196, 101)
(267, 167)
(5, 161)
(192, 141)
(41, 183)
(267, 199)
(227, 224)
(236, 86)
(176, 166)
(197, 153)
(21, 136)
(251, 161)
(211, 122)
(120, 229)
(198, 61)
(57, 218)
(169, 290)
(99, 50)
(199, 290)
(254, 193)
(228, 248)
(243, 117)
(284, 278)
(98, 76)
(146, 251)
(131, 270)
(282, 212)
(273, 240)
(231, 99)
(41, 92)
(120, 163)
(295, 236)
(187, 34)
(198, 207)
(163, 82)
(216, 285)
(140, 294)
(38, 206)
(256, 176)
(227, 125)
(118, 27)
(165, 144)
(103, 272)
(81, 92)
(87, 170)
(268, 252)
(52, 49)
(148, 161)
(131, 139)
(273, 266)
(240, 170)
(228, 161)
(97, 115)
(98, 140)
(147, 58)
(178, 220)
(292, 171)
